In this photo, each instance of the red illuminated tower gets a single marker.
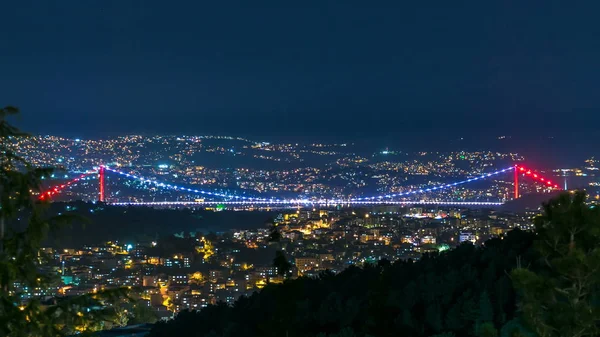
(101, 181)
(516, 182)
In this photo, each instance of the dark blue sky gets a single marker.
(302, 69)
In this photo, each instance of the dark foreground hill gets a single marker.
(463, 291)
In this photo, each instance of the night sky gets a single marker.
(316, 69)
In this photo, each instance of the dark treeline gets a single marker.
(465, 292)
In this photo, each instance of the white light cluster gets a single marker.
(295, 202)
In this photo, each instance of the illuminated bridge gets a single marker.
(405, 198)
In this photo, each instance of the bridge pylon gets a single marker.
(101, 183)
(516, 182)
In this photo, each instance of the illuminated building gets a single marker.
(306, 263)
(467, 236)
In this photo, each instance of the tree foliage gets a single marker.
(560, 295)
(20, 257)
(142, 314)
(281, 263)
(274, 234)
(465, 292)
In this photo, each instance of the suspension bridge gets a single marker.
(408, 197)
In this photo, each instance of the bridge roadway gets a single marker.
(305, 203)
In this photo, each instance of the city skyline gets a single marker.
(550, 151)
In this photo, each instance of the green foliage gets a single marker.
(441, 293)
(345, 332)
(445, 334)
(559, 297)
(487, 329)
(486, 312)
(514, 328)
(143, 314)
(20, 257)
(485, 326)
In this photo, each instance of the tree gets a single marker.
(281, 263)
(196, 278)
(445, 334)
(142, 314)
(121, 316)
(484, 327)
(515, 328)
(433, 317)
(20, 258)
(559, 298)
(209, 249)
(274, 234)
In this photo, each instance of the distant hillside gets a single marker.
(528, 202)
(104, 222)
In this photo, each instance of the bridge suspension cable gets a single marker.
(237, 199)
(59, 188)
(435, 188)
(180, 188)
